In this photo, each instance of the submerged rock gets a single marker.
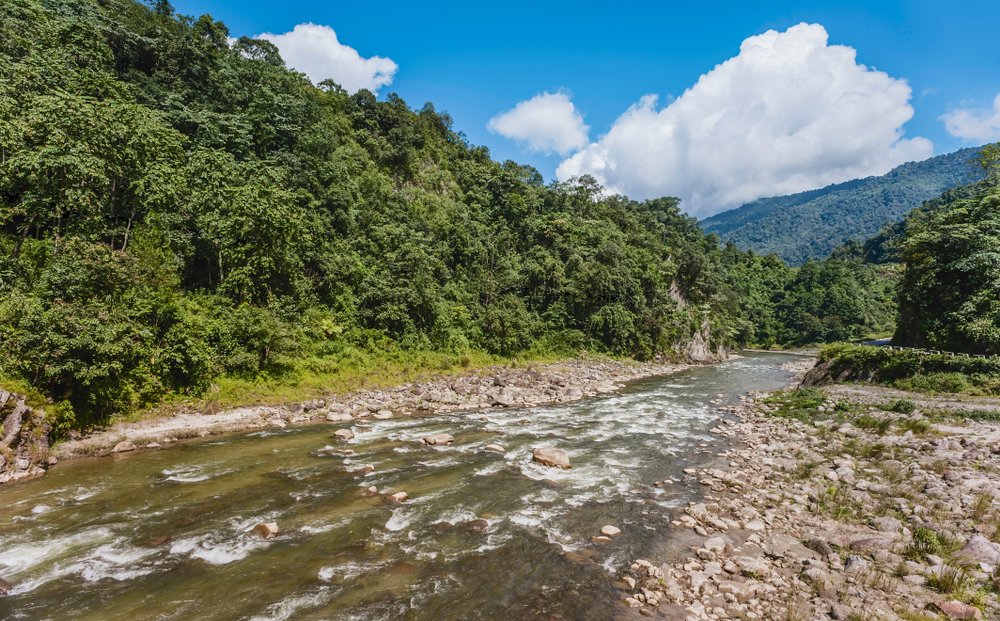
(439, 439)
(266, 530)
(551, 457)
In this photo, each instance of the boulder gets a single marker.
(339, 416)
(266, 530)
(887, 524)
(610, 531)
(954, 609)
(343, 434)
(819, 546)
(5, 587)
(398, 497)
(495, 448)
(979, 549)
(123, 447)
(551, 457)
(439, 439)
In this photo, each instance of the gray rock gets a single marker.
(855, 563)
(123, 447)
(552, 457)
(439, 439)
(979, 549)
(819, 546)
(887, 524)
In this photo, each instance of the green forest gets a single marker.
(811, 225)
(182, 217)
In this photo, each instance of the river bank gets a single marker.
(497, 386)
(175, 528)
(848, 505)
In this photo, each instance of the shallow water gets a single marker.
(166, 534)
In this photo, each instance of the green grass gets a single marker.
(319, 377)
(800, 403)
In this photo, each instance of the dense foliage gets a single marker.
(810, 225)
(175, 208)
(912, 370)
(950, 291)
(837, 299)
(179, 211)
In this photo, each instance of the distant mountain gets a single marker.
(812, 224)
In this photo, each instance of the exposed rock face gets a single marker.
(699, 347)
(552, 457)
(24, 439)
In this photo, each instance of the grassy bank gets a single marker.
(912, 370)
(351, 370)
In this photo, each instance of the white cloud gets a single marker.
(548, 123)
(315, 51)
(974, 124)
(789, 113)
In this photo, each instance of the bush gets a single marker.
(913, 370)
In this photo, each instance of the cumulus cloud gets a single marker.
(788, 113)
(974, 124)
(546, 123)
(315, 51)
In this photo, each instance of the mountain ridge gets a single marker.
(811, 224)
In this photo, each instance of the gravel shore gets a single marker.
(836, 505)
(530, 385)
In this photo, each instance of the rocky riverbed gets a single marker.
(499, 386)
(837, 506)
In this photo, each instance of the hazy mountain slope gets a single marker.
(811, 224)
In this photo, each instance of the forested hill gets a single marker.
(179, 213)
(812, 224)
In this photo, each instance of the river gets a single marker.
(167, 534)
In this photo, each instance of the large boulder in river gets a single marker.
(266, 530)
(552, 457)
(5, 587)
(343, 434)
(439, 439)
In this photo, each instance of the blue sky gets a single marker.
(476, 60)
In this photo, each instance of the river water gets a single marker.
(167, 534)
